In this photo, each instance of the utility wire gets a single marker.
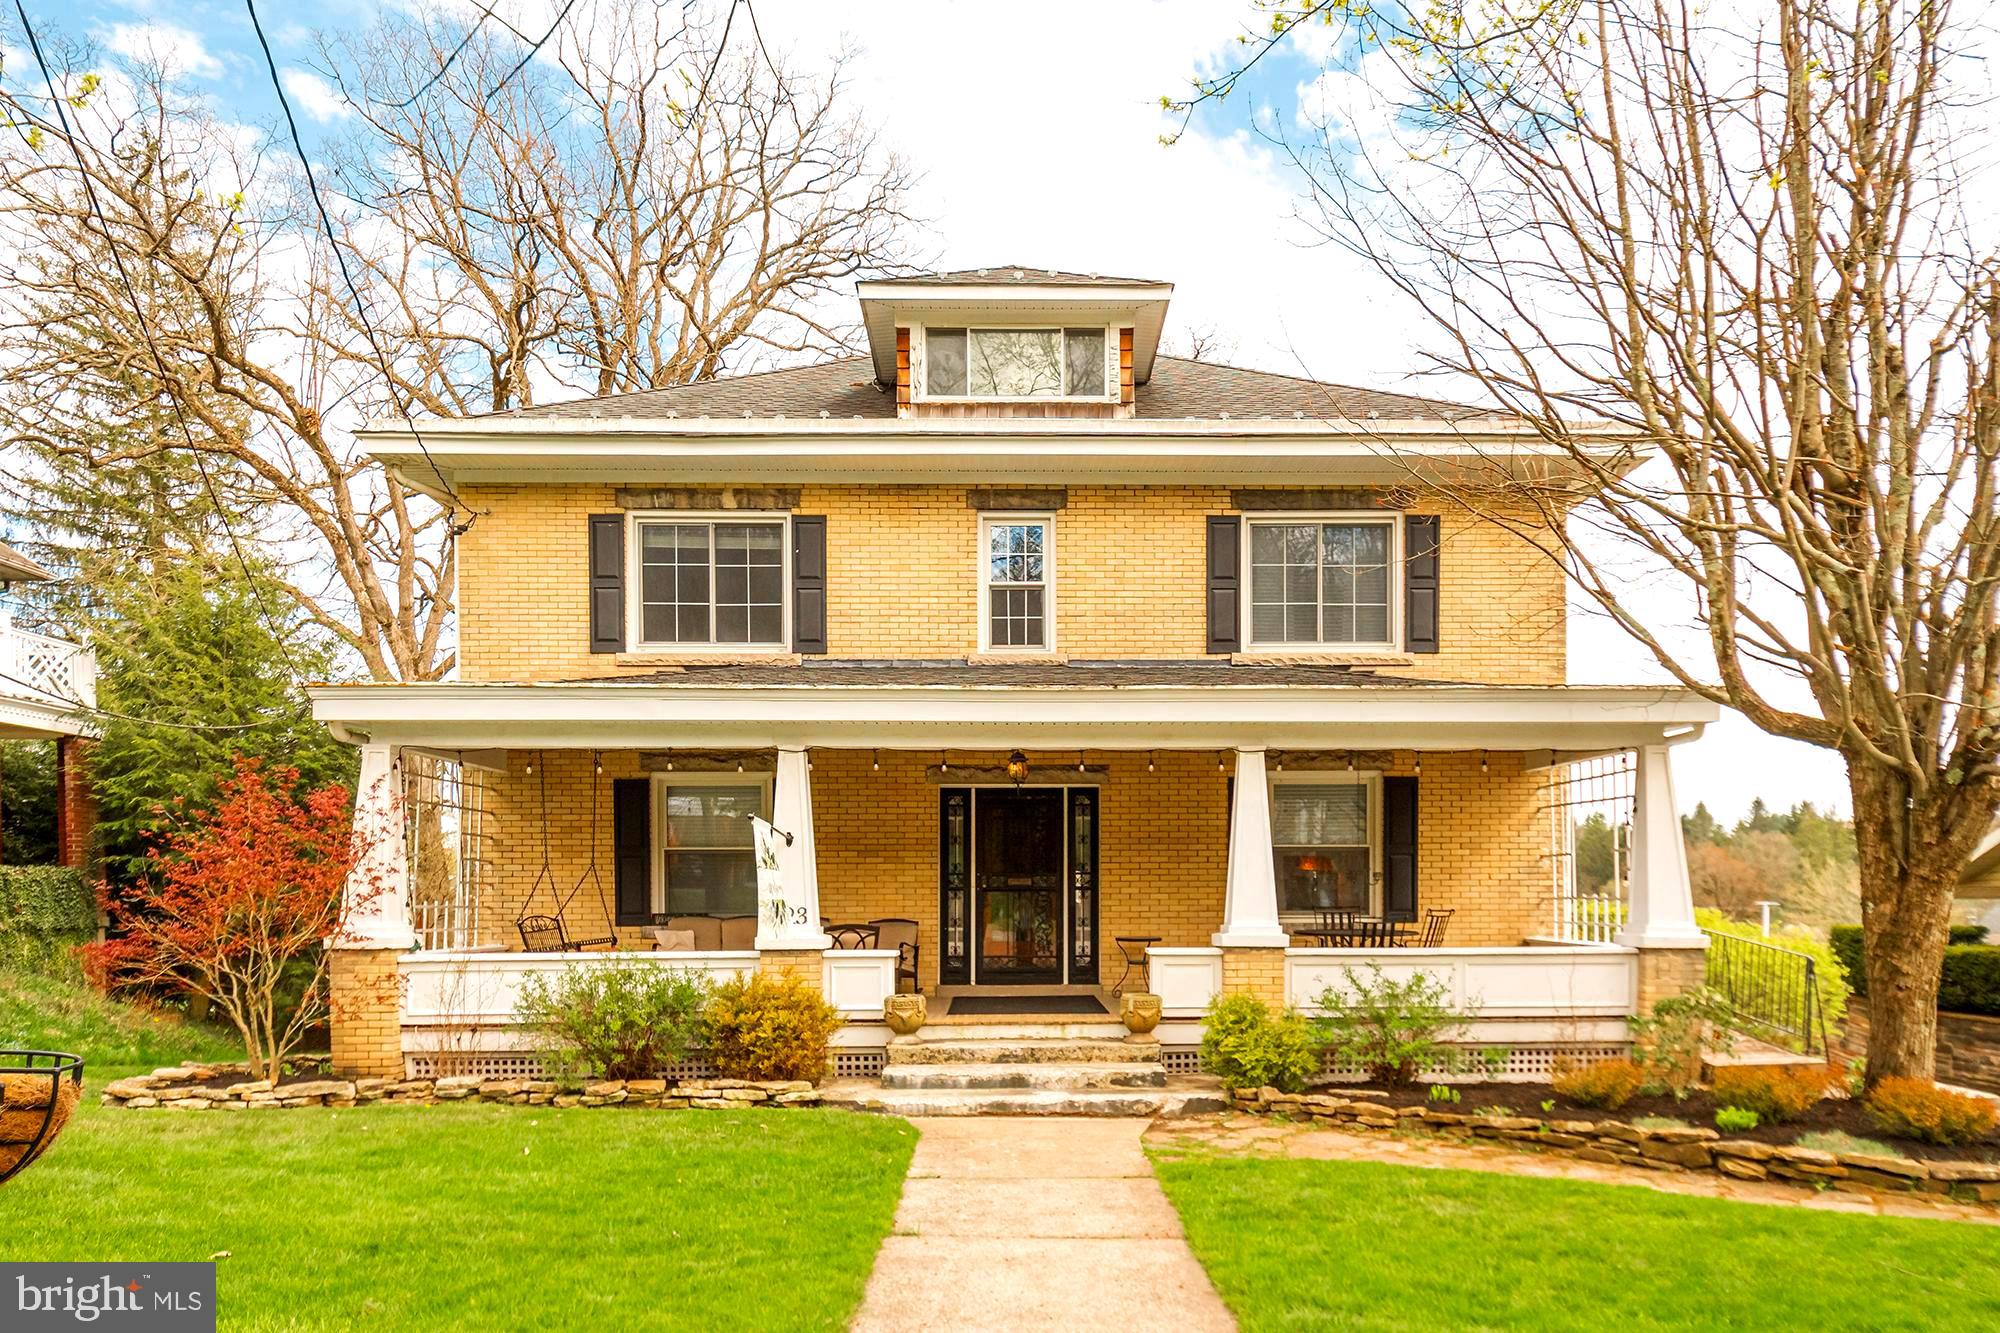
(79, 706)
(453, 528)
(278, 635)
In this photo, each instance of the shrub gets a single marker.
(1444, 1092)
(46, 913)
(1775, 1092)
(1672, 1041)
(1247, 1046)
(1914, 1109)
(1608, 1084)
(615, 1020)
(1393, 1029)
(1735, 1120)
(1831, 978)
(1970, 983)
(770, 1028)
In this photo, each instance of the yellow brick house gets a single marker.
(1067, 666)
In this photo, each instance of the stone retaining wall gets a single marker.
(1670, 1149)
(1968, 1045)
(183, 1088)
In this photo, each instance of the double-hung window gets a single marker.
(1325, 832)
(1017, 567)
(705, 582)
(708, 863)
(1325, 582)
(1015, 363)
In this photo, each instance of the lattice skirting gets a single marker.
(1524, 1064)
(848, 1062)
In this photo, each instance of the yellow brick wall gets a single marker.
(1162, 852)
(902, 579)
(364, 1001)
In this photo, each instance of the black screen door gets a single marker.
(1018, 874)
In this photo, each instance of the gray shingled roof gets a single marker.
(847, 388)
(15, 567)
(1005, 274)
(897, 673)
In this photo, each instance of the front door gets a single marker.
(1017, 869)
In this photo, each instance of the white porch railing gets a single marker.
(45, 670)
(1185, 979)
(1560, 982)
(474, 988)
(857, 981)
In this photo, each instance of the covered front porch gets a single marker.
(943, 835)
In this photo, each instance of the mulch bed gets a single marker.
(1836, 1112)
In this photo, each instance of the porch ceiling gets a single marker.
(1199, 716)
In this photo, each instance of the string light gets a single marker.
(597, 761)
(1218, 761)
(1482, 761)
(1149, 760)
(875, 762)
(1350, 761)
(1079, 761)
(670, 761)
(944, 762)
(1420, 764)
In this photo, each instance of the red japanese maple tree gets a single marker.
(236, 898)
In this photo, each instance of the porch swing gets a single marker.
(550, 934)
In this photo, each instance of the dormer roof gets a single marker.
(17, 568)
(1012, 294)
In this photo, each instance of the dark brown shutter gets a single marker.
(607, 583)
(808, 583)
(632, 849)
(1399, 849)
(1420, 583)
(1225, 583)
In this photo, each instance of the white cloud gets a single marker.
(315, 96)
(174, 48)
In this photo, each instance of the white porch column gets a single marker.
(798, 861)
(1250, 899)
(377, 912)
(1660, 914)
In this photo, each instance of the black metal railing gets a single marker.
(1774, 991)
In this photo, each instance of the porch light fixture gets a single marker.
(1079, 761)
(1482, 761)
(875, 762)
(944, 762)
(1350, 761)
(1017, 768)
(1149, 760)
(597, 761)
(1218, 761)
(1420, 765)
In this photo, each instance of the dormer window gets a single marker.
(1015, 363)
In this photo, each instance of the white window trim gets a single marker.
(635, 591)
(1392, 519)
(1321, 777)
(1047, 646)
(919, 353)
(660, 783)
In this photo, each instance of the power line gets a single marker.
(79, 706)
(452, 528)
(159, 362)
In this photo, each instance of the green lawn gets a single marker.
(1303, 1244)
(58, 1013)
(466, 1216)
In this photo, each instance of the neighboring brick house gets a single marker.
(1030, 636)
(47, 686)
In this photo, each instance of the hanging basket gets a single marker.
(38, 1091)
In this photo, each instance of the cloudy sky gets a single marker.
(1036, 127)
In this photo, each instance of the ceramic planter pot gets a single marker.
(1139, 1013)
(904, 1013)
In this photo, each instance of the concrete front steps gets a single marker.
(1182, 1096)
(1022, 1068)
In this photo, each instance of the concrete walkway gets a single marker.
(1021, 1223)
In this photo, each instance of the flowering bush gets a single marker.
(767, 1028)
(1914, 1109)
(233, 905)
(1607, 1084)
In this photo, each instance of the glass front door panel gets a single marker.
(1019, 871)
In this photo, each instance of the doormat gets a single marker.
(1026, 1004)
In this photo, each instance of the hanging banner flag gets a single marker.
(773, 912)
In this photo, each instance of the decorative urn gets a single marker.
(904, 1013)
(1139, 1013)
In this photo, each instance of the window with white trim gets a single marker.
(1016, 363)
(710, 582)
(708, 865)
(1323, 581)
(1326, 842)
(1017, 567)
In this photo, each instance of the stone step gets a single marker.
(1013, 1051)
(860, 1095)
(1020, 1027)
(1052, 1077)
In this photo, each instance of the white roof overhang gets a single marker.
(614, 715)
(974, 451)
(1141, 305)
(36, 719)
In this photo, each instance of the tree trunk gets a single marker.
(1910, 851)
